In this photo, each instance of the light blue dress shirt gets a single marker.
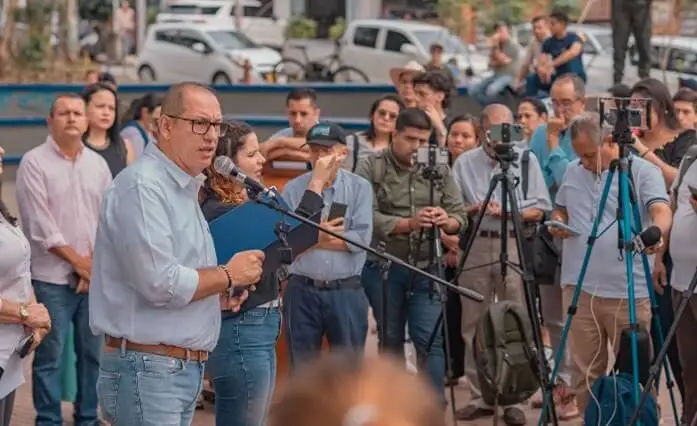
(553, 163)
(151, 239)
(357, 194)
(580, 194)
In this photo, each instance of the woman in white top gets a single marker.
(20, 315)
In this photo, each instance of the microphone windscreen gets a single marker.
(651, 236)
(223, 165)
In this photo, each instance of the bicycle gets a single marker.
(327, 70)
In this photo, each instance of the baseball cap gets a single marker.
(326, 134)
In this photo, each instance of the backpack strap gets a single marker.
(525, 172)
(141, 130)
(687, 160)
(356, 146)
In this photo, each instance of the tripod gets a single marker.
(432, 174)
(655, 368)
(508, 184)
(627, 216)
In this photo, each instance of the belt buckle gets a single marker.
(322, 284)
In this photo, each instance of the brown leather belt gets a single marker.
(163, 350)
(494, 234)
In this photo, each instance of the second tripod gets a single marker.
(506, 155)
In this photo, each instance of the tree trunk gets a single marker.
(6, 39)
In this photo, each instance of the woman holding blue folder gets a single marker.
(243, 365)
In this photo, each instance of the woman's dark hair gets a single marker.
(661, 101)
(620, 90)
(113, 131)
(537, 105)
(415, 118)
(5, 213)
(224, 188)
(466, 118)
(149, 102)
(686, 95)
(370, 133)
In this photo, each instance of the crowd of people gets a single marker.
(114, 263)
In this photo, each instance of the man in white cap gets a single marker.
(402, 79)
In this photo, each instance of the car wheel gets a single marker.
(221, 78)
(145, 73)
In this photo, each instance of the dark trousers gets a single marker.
(456, 355)
(687, 346)
(631, 17)
(310, 313)
(6, 405)
(667, 317)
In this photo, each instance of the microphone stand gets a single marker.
(274, 205)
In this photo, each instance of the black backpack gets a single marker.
(504, 355)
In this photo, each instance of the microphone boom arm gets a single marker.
(473, 295)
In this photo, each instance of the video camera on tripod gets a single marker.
(504, 137)
(624, 115)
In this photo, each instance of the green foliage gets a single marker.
(571, 7)
(337, 30)
(450, 14)
(151, 15)
(95, 10)
(33, 47)
(511, 12)
(300, 27)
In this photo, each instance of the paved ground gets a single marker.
(24, 411)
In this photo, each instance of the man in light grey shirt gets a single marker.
(602, 311)
(473, 170)
(156, 288)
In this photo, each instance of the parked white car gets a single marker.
(374, 46)
(257, 23)
(672, 58)
(201, 52)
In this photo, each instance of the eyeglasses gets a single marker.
(387, 114)
(201, 126)
(563, 103)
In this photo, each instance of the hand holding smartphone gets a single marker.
(24, 346)
(693, 191)
(562, 226)
(337, 210)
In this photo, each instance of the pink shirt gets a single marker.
(59, 201)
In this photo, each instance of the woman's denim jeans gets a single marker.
(243, 367)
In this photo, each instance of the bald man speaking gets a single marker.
(473, 171)
(157, 287)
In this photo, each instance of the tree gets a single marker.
(95, 10)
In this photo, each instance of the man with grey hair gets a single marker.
(605, 283)
(473, 170)
(551, 144)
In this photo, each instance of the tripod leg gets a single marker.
(577, 293)
(656, 320)
(542, 367)
(625, 224)
(663, 352)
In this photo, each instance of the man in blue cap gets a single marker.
(324, 296)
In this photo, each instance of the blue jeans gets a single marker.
(489, 88)
(142, 389)
(420, 310)
(243, 367)
(309, 313)
(66, 308)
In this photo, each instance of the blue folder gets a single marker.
(251, 226)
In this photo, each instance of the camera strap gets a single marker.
(525, 173)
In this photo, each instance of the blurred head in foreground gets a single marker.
(350, 390)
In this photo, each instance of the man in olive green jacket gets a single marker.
(401, 210)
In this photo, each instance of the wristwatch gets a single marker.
(23, 312)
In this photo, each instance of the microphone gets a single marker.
(226, 167)
(647, 238)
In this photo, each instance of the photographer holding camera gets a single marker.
(401, 209)
(602, 311)
(473, 171)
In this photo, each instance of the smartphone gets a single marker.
(73, 280)
(562, 225)
(693, 191)
(337, 210)
(24, 346)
